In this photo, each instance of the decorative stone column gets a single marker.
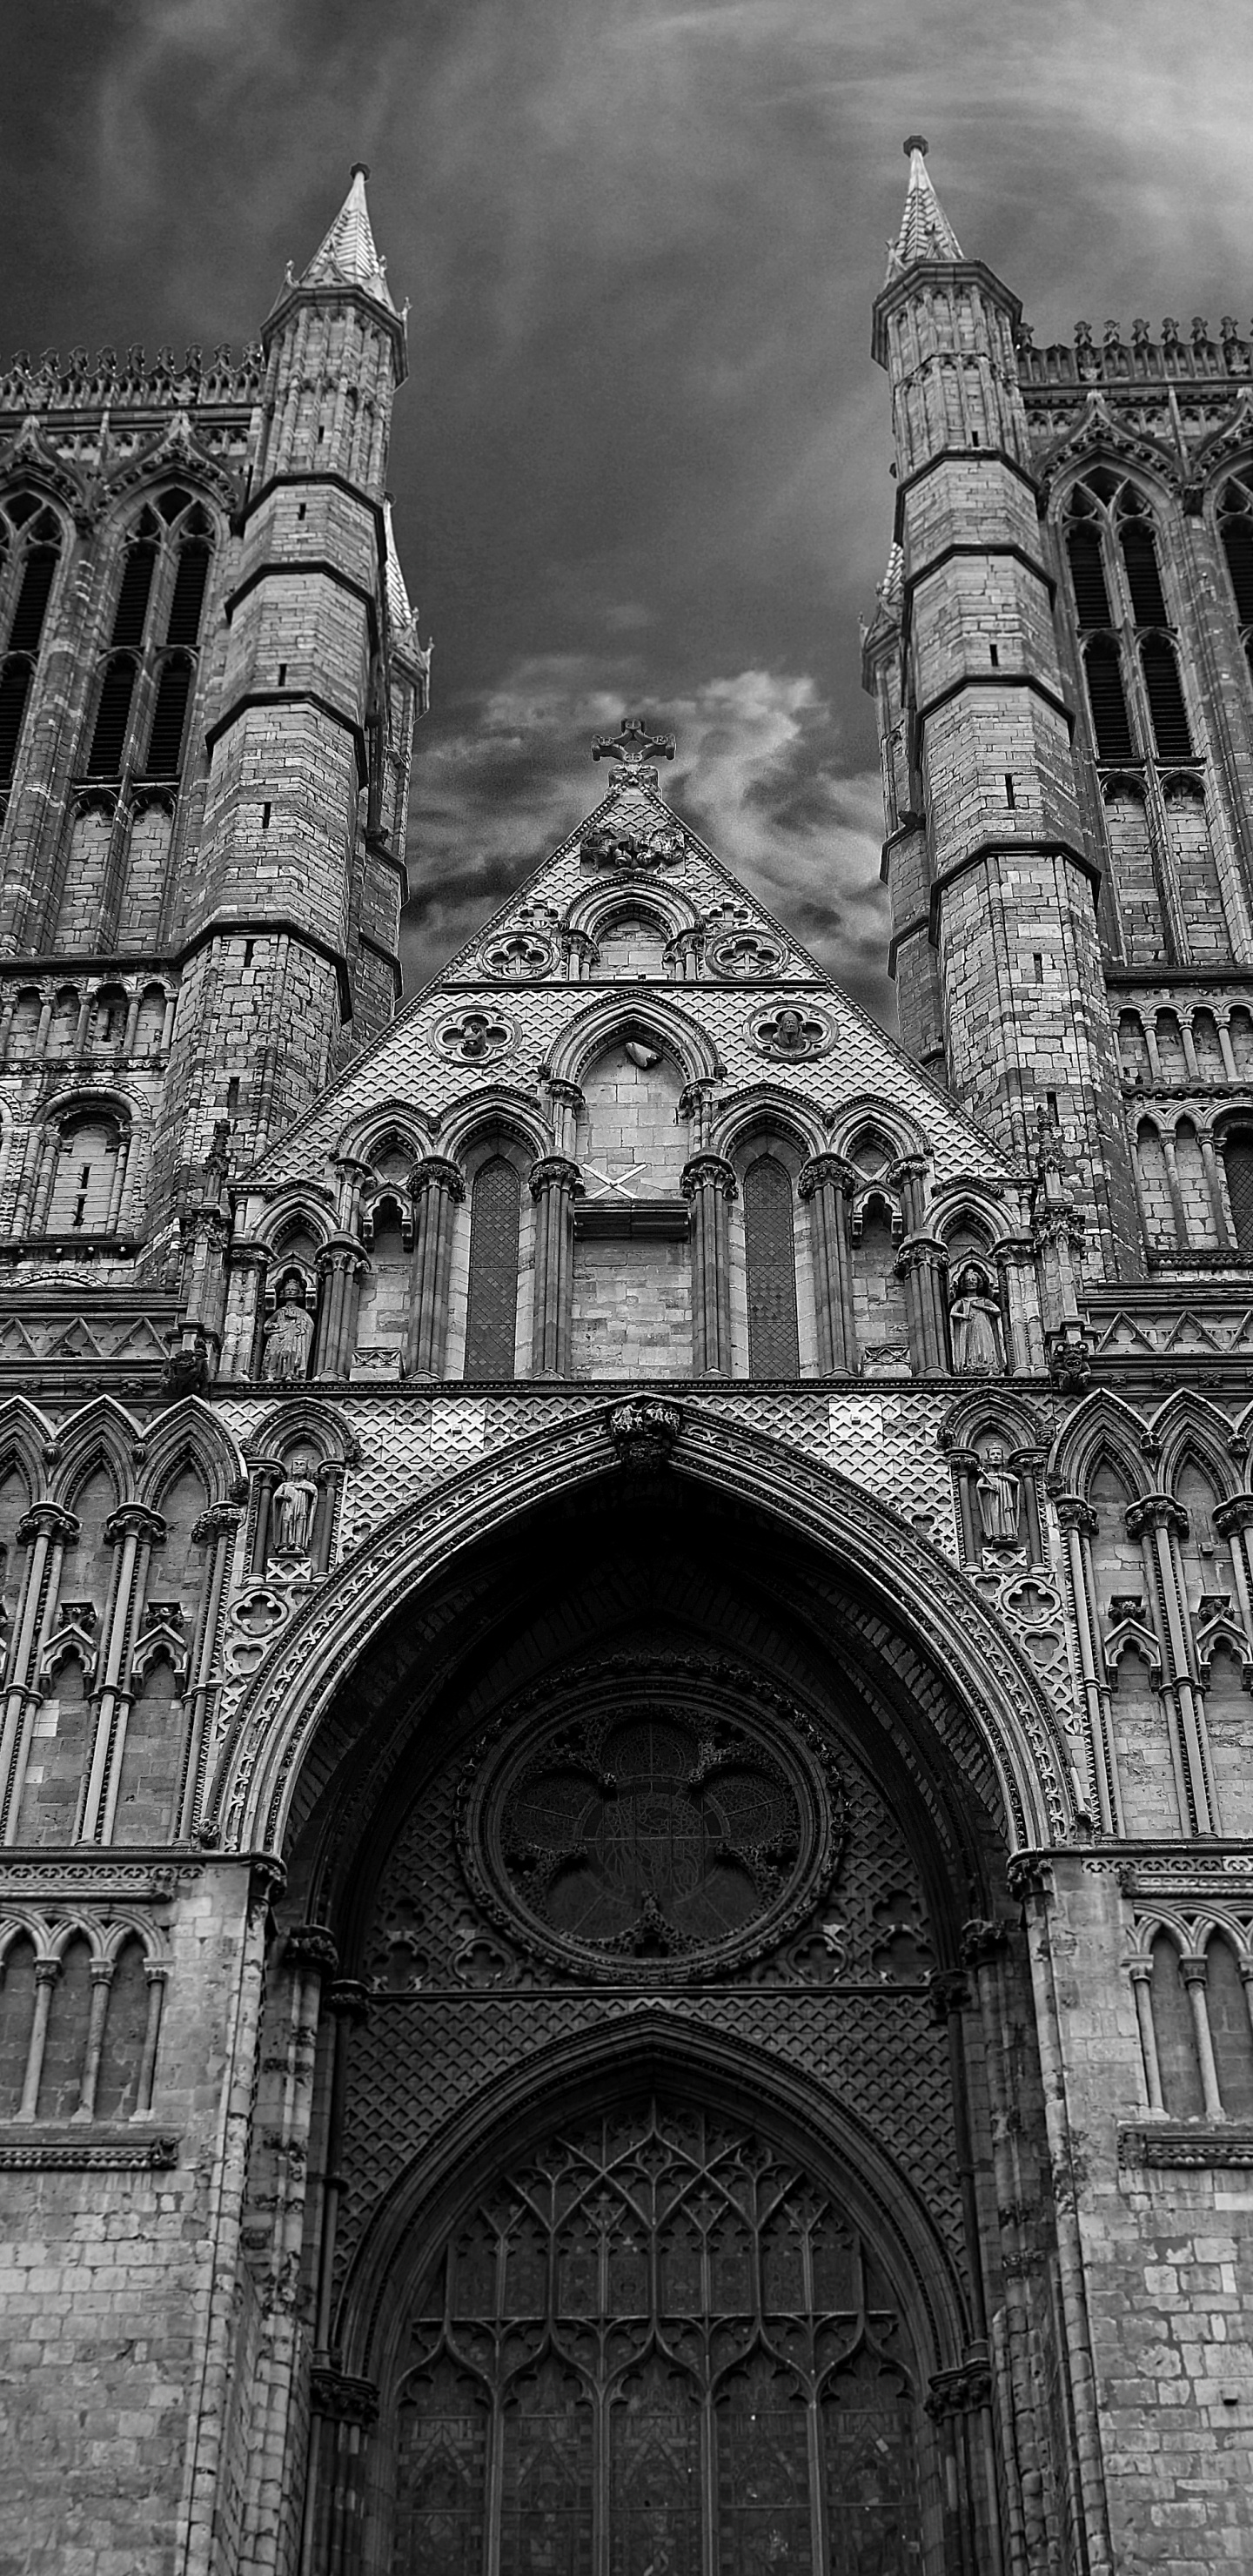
(1234, 1521)
(46, 1532)
(564, 1101)
(1016, 1260)
(340, 1265)
(242, 1344)
(206, 1237)
(827, 1183)
(1078, 1524)
(342, 2410)
(133, 1533)
(217, 1529)
(708, 1185)
(1159, 1522)
(555, 1185)
(437, 1188)
(1019, 2172)
(922, 1263)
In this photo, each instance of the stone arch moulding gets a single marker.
(870, 1109)
(360, 1140)
(649, 1012)
(766, 1108)
(596, 905)
(299, 1204)
(189, 1434)
(471, 1117)
(279, 1712)
(1101, 1427)
(650, 2045)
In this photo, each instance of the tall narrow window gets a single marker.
(770, 1245)
(492, 1305)
(1176, 2041)
(30, 544)
(1144, 582)
(1087, 573)
(159, 605)
(1165, 696)
(1235, 523)
(1110, 721)
(130, 616)
(188, 599)
(1238, 1165)
(108, 741)
(169, 716)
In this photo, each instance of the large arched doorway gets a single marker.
(656, 2346)
(647, 1759)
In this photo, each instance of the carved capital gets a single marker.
(826, 1172)
(981, 1939)
(921, 1252)
(907, 1167)
(136, 1518)
(348, 1998)
(1073, 1513)
(310, 1945)
(707, 1172)
(342, 2400)
(1014, 1252)
(1234, 1515)
(553, 1172)
(567, 1095)
(947, 1992)
(342, 1254)
(436, 1172)
(47, 1520)
(1026, 1876)
(1154, 1512)
(958, 2392)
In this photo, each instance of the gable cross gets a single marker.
(632, 749)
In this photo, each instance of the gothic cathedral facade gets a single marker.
(626, 1763)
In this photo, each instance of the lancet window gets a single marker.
(1235, 527)
(145, 684)
(30, 550)
(770, 1248)
(1158, 830)
(492, 1301)
(658, 2345)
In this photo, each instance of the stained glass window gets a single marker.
(657, 2347)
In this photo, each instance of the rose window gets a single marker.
(652, 1843)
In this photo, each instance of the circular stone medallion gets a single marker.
(661, 1842)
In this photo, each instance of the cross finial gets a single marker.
(633, 748)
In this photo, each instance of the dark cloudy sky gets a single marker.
(642, 457)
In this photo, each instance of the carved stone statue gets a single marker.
(288, 1336)
(295, 1502)
(976, 1325)
(999, 1494)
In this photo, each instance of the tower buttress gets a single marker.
(290, 926)
(984, 761)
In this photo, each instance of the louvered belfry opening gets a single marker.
(30, 551)
(492, 1306)
(1111, 723)
(658, 2345)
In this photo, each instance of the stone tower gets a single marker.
(626, 1840)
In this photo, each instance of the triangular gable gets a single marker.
(510, 993)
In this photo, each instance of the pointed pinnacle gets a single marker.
(925, 233)
(347, 256)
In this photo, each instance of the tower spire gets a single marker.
(347, 256)
(925, 233)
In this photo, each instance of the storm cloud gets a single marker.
(642, 459)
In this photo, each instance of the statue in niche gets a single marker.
(288, 1335)
(295, 1502)
(998, 1492)
(975, 1318)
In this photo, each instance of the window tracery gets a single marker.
(30, 552)
(657, 2344)
(1169, 904)
(492, 1296)
(770, 1251)
(148, 674)
(1235, 528)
